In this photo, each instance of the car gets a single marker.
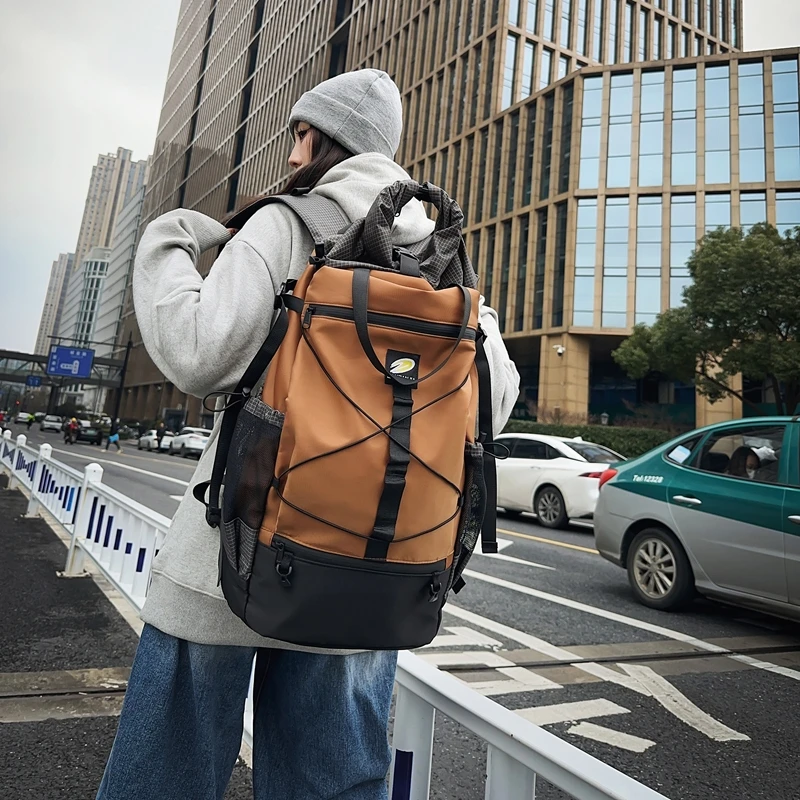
(190, 442)
(554, 477)
(22, 418)
(51, 423)
(149, 441)
(714, 512)
(89, 432)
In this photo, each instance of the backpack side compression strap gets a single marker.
(486, 436)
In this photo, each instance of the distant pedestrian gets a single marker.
(31, 419)
(113, 436)
(320, 715)
(161, 431)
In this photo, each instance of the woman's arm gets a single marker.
(202, 333)
(505, 378)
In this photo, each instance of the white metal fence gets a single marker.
(121, 537)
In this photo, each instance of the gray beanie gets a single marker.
(360, 110)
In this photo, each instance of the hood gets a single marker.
(355, 183)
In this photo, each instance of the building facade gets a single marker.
(570, 131)
(53, 302)
(115, 179)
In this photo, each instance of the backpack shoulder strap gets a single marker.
(323, 217)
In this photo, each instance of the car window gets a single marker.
(748, 452)
(528, 448)
(594, 453)
(682, 453)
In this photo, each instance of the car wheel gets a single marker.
(138, 445)
(550, 509)
(659, 571)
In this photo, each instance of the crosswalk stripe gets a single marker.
(625, 741)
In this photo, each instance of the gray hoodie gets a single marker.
(203, 333)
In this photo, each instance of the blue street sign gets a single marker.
(71, 362)
(33, 380)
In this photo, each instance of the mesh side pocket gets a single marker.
(249, 474)
(472, 514)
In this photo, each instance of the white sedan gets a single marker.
(190, 442)
(554, 477)
(149, 441)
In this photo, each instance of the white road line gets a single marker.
(681, 706)
(502, 544)
(597, 733)
(513, 560)
(571, 712)
(667, 633)
(521, 680)
(458, 637)
(467, 659)
(118, 463)
(599, 671)
(177, 497)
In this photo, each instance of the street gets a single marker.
(701, 704)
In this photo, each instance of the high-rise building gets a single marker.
(53, 301)
(589, 142)
(115, 179)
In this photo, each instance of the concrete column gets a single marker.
(727, 408)
(564, 378)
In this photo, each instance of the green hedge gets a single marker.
(630, 442)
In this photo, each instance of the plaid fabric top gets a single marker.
(442, 256)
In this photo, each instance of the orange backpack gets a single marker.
(357, 483)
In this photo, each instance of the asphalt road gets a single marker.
(698, 705)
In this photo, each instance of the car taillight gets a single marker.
(592, 475)
(606, 476)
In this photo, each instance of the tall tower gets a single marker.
(54, 301)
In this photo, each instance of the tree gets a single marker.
(741, 316)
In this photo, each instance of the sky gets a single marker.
(85, 77)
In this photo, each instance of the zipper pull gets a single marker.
(307, 317)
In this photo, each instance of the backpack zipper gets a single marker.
(389, 321)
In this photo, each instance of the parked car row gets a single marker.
(189, 442)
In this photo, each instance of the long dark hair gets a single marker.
(325, 154)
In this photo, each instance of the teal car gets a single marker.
(716, 511)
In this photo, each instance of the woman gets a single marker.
(320, 717)
(744, 463)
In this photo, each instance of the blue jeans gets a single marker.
(320, 723)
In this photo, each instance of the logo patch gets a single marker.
(403, 367)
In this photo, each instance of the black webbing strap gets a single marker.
(243, 390)
(394, 481)
(485, 437)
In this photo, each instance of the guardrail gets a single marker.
(121, 537)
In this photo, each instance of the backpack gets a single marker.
(357, 481)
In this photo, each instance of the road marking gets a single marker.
(124, 466)
(625, 741)
(458, 637)
(502, 544)
(681, 706)
(470, 659)
(549, 541)
(513, 560)
(177, 497)
(571, 712)
(667, 633)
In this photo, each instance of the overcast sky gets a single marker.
(84, 77)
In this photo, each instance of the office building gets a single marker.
(53, 301)
(590, 142)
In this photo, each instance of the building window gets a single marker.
(710, 17)
(644, 34)
(718, 124)
(545, 79)
(532, 17)
(510, 72)
(488, 108)
(612, 31)
(563, 67)
(658, 39)
(590, 133)
(557, 317)
(718, 211)
(566, 22)
(476, 252)
(597, 34)
(541, 266)
(547, 147)
(648, 260)
(522, 273)
(671, 40)
(684, 127)
(505, 267)
(513, 12)
(696, 20)
(528, 65)
(651, 140)
(491, 235)
(585, 249)
(530, 149)
(630, 45)
(615, 263)
(566, 139)
(473, 112)
(498, 163)
(787, 120)
(513, 144)
(469, 152)
(788, 211)
(698, 45)
(753, 210)
(549, 20)
(752, 147)
(685, 48)
(620, 131)
(483, 155)
(683, 240)
(735, 40)
(581, 43)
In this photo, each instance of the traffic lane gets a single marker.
(579, 534)
(590, 579)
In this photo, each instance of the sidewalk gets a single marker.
(65, 655)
